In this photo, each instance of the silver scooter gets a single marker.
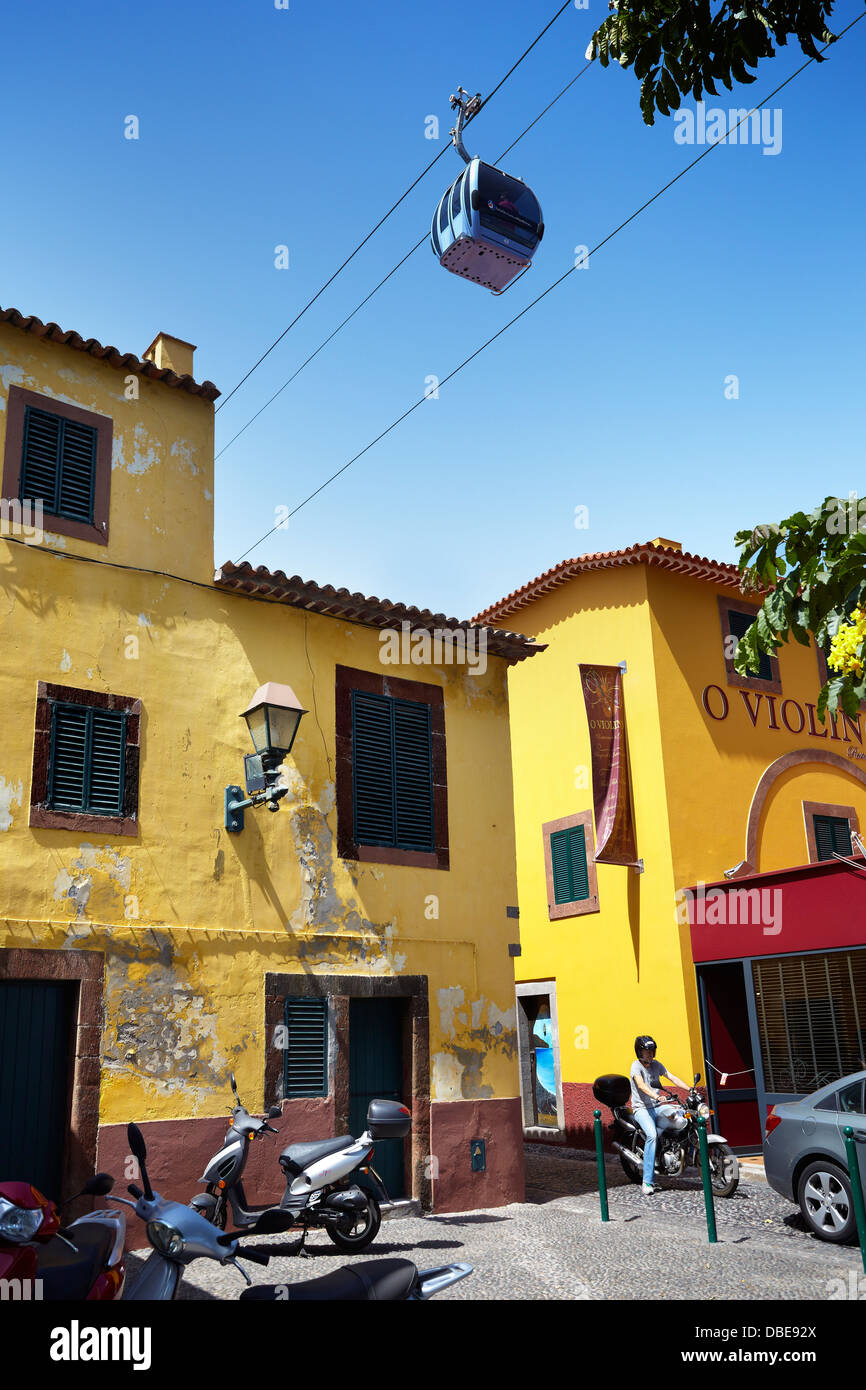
(318, 1189)
(179, 1235)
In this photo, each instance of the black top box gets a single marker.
(612, 1090)
(388, 1119)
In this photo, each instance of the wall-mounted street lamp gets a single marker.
(272, 716)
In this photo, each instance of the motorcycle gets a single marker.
(40, 1258)
(179, 1234)
(678, 1147)
(318, 1189)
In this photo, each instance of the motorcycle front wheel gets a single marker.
(362, 1232)
(724, 1178)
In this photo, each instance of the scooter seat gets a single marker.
(371, 1281)
(302, 1155)
(68, 1275)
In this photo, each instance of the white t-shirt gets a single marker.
(650, 1076)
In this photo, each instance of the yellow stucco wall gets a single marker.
(628, 968)
(190, 917)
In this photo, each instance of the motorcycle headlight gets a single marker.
(18, 1224)
(704, 1112)
(164, 1238)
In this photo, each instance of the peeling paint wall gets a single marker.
(189, 917)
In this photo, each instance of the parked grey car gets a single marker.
(805, 1158)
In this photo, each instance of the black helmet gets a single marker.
(644, 1042)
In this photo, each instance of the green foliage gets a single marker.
(682, 47)
(811, 567)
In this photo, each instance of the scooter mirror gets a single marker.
(98, 1186)
(697, 1077)
(139, 1150)
(136, 1142)
(275, 1112)
(271, 1223)
(234, 1085)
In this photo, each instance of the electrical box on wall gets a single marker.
(478, 1152)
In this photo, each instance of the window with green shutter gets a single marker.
(58, 464)
(87, 759)
(392, 769)
(568, 857)
(832, 835)
(305, 1065)
(739, 626)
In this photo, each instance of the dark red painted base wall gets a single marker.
(453, 1126)
(178, 1152)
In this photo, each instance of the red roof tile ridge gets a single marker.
(29, 323)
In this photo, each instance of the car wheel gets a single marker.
(824, 1194)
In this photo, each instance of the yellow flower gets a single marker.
(847, 648)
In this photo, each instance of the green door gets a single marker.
(376, 1073)
(35, 1034)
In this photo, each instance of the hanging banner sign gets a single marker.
(605, 712)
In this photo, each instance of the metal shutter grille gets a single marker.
(811, 1019)
(59, 464)
(568, 861)
(305, 1072)
(88, 749)
(413, 775)
(372, 756)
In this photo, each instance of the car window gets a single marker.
(851, 1099)
(828, 1103)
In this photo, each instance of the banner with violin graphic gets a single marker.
(611, 792)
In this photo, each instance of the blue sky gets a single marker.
(261, 127)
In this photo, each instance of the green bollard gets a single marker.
(857, 1189)
(599, 1153)
(705, 1179)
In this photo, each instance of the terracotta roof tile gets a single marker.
(126, 361)
(358, 608)
(681, 562)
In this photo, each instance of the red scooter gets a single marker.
(42, 1259)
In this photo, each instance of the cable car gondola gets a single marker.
(488, 225)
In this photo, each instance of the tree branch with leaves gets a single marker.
(679, 48)
(811, 567)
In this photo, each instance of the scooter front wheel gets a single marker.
(363, 1231)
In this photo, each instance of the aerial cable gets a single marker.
(225, 400)
(391, 272)
(531, 305)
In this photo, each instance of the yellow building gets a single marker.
(147, 950)
(735, 938)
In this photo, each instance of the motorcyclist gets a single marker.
(646, 1100)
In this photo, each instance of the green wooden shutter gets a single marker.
(305, 1068)
(86, 766)
(568, 859)
(392, 770)
(832, 833)
(59, 464)
(372, 768)
(413, 775)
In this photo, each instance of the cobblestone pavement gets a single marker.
(555, 1246)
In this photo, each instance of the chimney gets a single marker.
(174, 353)
(662, 544)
